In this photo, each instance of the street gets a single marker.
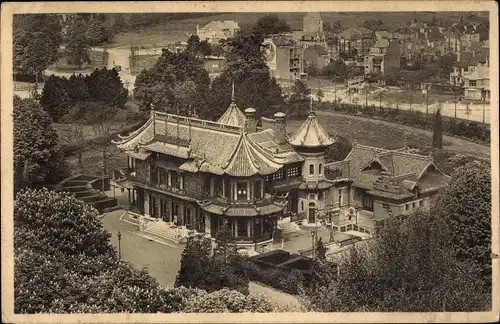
(162, 261)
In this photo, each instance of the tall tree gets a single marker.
(35, 43)
(157, 85)
(78, 46)
(97, 33)
(373, 24)
(437, 135)
(106, 86)
(269, 25)
(198, 48)
(38, 159)
(299, 100)
(339, 150)
(54, 99)
(195, 259)
(465, 205)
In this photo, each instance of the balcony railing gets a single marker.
(264, 201)
(163, 187)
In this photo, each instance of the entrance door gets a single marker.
(312, 212)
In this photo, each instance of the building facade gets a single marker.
(384, 57)
(205, 176)
(215, 31)
(355, 42)
(284, 57)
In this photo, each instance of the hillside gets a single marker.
(176, 29)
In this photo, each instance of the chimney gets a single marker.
(280, 127)
(251, 124)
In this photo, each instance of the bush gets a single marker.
(282, 279)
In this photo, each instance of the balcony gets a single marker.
(265, 201)
(143, 182)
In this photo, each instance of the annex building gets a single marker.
(202, 175)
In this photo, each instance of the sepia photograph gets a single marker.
(214, 158)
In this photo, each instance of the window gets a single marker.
(407, 207)
(293, 172)
(311, 169)
(421, 203)
(302, 206)
(413, 205)
(279, 175)
(472, 83)
(241, 188)
(320, 168)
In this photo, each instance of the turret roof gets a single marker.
(233, 115)
(311, 134)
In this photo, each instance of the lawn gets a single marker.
(176, 30)
(98, 60)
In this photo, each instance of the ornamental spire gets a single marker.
(232, 94)
(311, 109)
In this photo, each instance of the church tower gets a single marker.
(312, 23)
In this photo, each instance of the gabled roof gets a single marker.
(312, 15)
(320, 50)
(226, 24)
(311, 134)
(392, 173)
(480, 73)
(381, 43)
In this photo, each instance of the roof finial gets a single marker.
(232, 94)
(153, 115)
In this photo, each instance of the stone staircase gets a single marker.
(163, 231)
(288, 227)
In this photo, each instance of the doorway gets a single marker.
(312, 212)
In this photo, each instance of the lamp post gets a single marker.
(119, 246)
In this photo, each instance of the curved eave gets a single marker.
(311, 135)
(241, 211)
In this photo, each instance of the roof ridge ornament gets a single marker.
(232, 94)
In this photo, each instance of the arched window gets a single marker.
(311, 169)
(320, 168)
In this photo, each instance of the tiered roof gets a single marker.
(209, 146)
(393, 174)
(310, 134)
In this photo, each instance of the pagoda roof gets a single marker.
(233, 115)
(311, 134)
(208, 146)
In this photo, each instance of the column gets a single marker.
(212, 187)
(261, 188)
(181, 181)
(208, 225)
(249, 228)
(146, 203)
(223, 187)
(128, 190)
(169, 178)
(180, 217)
(235, 190)
(248, 190)
(235, 222)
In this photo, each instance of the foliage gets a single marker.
(202, 269)
(465, 206)
(198, 48)
(106, 86)
(337, 70)
(97, 33)
(78, 46)
(161, 85)
(299, 101)
(222, 301)
(64, 262)
(339, 150)
(289, 281)
(270, 25)
(373, 24)
(321, 249)
(36, 41)
(54, 99)
(320, 95)
(333, 27)
(411, 267)
(37, 156)
(437, 134)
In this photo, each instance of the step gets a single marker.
(163, 231)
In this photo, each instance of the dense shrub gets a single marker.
(289, 281)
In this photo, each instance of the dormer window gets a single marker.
(320, 168)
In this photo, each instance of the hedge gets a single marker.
(285, 280)
(472, 131)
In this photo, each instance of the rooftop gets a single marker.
(225, 24)
(310, 134)
(233, 115)
(355, 33)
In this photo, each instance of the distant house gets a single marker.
(355, 41)
(466, 61)
(284, 57)
(215, 31)
(316, 56)
(460, 37)
(387, 183)
(383, 34)
(477, 81)
(312, 31)
(383, 58)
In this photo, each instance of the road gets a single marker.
(456, 145)
(161, 260)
